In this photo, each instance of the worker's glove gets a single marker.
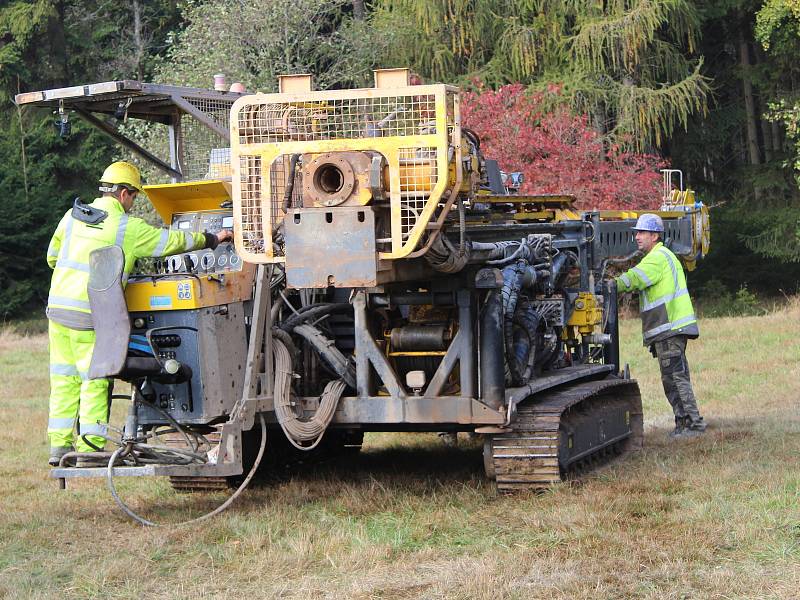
(215, 239)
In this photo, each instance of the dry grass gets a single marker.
(716, 517)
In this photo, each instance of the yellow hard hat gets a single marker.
(123, 173)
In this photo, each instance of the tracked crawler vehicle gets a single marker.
(386, 276)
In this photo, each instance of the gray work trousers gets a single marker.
(671, 354)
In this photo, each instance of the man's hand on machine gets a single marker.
(215, 239)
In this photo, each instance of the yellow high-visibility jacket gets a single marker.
(664, 298)
(73, 240)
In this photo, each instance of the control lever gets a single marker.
(175, 264)
(190, 263)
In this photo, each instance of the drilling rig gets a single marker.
(386, 276)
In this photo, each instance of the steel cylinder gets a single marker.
(419, 338)
(418, 177)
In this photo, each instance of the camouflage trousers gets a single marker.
(671, 354)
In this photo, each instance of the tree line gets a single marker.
(709, 87)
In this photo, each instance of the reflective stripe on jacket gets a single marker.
(73, 241)
(664, 298)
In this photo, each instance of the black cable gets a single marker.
(287, 194)
(90, 444)
(169, 418)
(329, 353)
(313, 312)
(472, 137)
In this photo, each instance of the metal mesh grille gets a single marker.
(451, 118)
(418, 175)
(272, 126)
(252, 223)
(349, 118)
(206, 154)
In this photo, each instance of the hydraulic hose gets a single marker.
(126, 509)
(561, 265)
(287, 195)
(444, 257)
(525, 347)
(492, 353)
(512, 284)
(312, 312)
(508, 259)
(329, 353)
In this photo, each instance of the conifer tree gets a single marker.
(621, 61)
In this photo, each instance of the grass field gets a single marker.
(715, 517)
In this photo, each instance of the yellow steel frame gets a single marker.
(389, 146)
(171, 198)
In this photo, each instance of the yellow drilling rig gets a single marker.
(386, 276)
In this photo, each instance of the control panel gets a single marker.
(222, 259)
(210, 220)
(211, 345)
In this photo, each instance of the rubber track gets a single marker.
(532, 455)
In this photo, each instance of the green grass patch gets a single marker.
(714, 517)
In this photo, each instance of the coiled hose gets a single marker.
(296, 429)
(126, 509)
(445, 257)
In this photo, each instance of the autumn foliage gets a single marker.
(558, 152)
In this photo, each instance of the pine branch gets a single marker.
(619, 40)
(780, 241)
(519, 44)
(649, 115)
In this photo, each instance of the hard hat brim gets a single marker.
(138, 188)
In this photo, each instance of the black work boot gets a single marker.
(695, 428)
(680, 427)
(56, 452)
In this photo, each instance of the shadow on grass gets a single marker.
(394, 476)
(390, 467)
(363, 482)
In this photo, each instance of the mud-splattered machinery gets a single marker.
(386, 276)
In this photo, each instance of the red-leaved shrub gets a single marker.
(558, 152)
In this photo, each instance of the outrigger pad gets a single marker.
(112, 324)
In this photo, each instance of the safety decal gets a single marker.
(184, 291)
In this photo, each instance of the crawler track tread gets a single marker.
(565, 432)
